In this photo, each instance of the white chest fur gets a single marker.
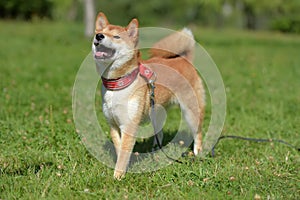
(119, 107)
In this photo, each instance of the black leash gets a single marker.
(153, 120)
(253, 140)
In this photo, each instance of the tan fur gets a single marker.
(176, 79)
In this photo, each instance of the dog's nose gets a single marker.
(99, 36)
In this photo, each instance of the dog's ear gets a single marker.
(132, 28)
(101, 21)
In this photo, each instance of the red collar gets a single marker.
(125, 81)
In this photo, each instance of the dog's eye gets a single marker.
(116, 37)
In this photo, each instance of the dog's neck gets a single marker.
(116, 69)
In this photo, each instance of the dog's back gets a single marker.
(171, 59)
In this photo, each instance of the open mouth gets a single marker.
(103, 52)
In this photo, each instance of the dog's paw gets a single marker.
(197, 150)
(118, 175)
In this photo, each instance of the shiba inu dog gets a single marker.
(125, 77)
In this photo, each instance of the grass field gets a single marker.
(42, 156)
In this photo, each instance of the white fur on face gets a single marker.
(123, 53)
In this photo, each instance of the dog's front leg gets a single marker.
(126, 146)
(115, 136)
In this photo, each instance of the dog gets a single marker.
(126, 97)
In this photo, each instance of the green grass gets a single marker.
(42, 156)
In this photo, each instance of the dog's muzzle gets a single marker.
(103, 52)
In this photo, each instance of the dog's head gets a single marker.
(112, 42)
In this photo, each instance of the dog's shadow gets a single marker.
(144, 146)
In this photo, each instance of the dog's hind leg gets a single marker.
(193, 112)
(195, 126)
(198, 142)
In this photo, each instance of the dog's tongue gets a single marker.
(101, 54)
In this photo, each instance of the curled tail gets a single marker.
(177, 44)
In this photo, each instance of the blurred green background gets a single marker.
(280, 15)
